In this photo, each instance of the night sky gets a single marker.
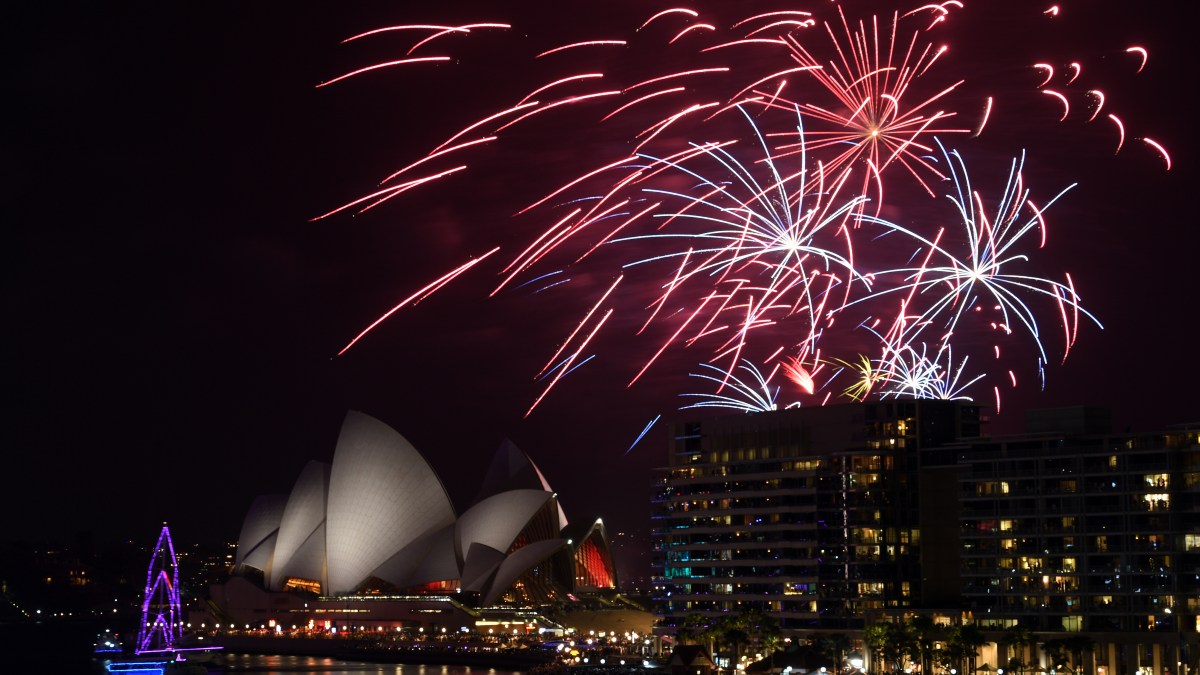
(172, 314)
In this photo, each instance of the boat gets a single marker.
(108, 642)
(160, 646)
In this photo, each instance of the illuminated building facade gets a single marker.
(816, 516)
(829, 519)
(378, 523)
(594, 569)
(1072, 528)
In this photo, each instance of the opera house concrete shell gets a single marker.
(379, 520)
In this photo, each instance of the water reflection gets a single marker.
(294, 665)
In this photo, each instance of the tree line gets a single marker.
(918, 640)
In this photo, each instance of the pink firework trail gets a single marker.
(870, 79)
(737, 195)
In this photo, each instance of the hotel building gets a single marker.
(1071, 528)
(830, 519)
(817, 516)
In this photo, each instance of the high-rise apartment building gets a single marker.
(1071, 528)
(817, 516)
(831, 518)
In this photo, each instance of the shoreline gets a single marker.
(374, 651)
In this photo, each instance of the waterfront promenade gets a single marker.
(526, 652)
(374, 649)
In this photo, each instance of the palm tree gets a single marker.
(760, 628)
(962, 644)
(971, 639)
(738, 630)
(1055, 651)
(1017, 638)
(718, 633)
(1078, 645)
(693, 628)
(876, 637)
(923, 629)
(834, 647)
(732, 632)
(889, 642)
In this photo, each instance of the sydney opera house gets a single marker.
(374, 534)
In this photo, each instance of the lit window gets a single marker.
(1157, 501)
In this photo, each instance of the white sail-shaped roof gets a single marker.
(380, 512)
(512, 469)
(440, 563)
(262, 521)
(496, 521)
(428, 558)
(482, 562)
(382, 496)
(303, 516)
(260, 556)
(520, 562)
(307, 562)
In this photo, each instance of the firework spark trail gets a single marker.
(1161, 151)
(778, 231)
(760, 243)
(387, 64)
(645, 430)
(376, 198)
(992, 247)
(867, 376)
(1092, 98)
(911, 373)
(869, 76)
(751, 394)
(780, 28)
(878, 130)
(420, 295)
(566, 367)
(581, 324)
(748, 225)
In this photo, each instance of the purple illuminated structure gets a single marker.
(162, 622)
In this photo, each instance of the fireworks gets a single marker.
(752, 394)
(875, 124)
(958, 283)
(743, 215)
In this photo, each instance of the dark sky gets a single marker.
(172, 315)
